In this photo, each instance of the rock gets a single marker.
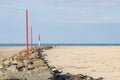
(30, 67)
(52, 67)
(14, 62)
(1, 66)
(12, 68)
(15, 57)
(56, 70)
(34, 55)
(39, 63)
(11, 76)
(3, 70)
(31, 51)
(20, 58)
(11, 58)
(27, 62)
(6, 63)
(4, 60)
(2, 74)
(47, 47)
(69, 76)
(101, 78)
(20, 66)
(23, 54)
(34, 77)
(89, 78)
(25, 69)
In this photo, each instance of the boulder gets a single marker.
(14, 62)
(1, 65)
(6, 63)
(30, 67)
(56, 70)
(25, 69)
(20, 66)
(20, 58)
(12, 68)
(39, 63)
(15, 57)
(23, 54)
(27, 62)
(34, 55)
(31, 51)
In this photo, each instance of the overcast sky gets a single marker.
(61, 21)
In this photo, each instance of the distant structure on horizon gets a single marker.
(39, 40)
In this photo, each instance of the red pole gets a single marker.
(31, 37)
(27, 56)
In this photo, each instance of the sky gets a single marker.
(61, 21)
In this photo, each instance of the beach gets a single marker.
(95, 61)
(6, 52)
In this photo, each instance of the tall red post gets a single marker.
(27, 54)
(31, 37)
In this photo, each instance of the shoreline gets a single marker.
(61, 44)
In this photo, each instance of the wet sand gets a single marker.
(96, 61)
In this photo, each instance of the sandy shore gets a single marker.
(96, 61)
(6, 52)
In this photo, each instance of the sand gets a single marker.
(96, 61)
(6, 52)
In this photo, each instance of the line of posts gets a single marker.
(27, 52)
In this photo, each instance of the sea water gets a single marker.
(22, 45)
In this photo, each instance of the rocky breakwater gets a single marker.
(18, 67)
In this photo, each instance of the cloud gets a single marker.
(69, 11)
(64, 2)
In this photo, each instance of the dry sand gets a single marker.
(96, 61)
(6, 52)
